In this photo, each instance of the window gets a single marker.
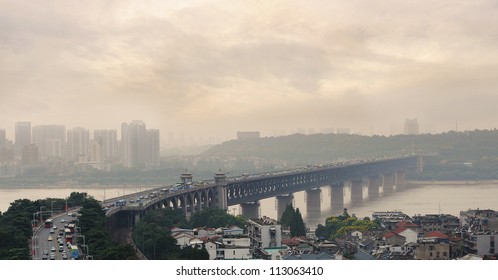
(445, 254)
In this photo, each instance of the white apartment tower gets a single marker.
(109, 144)
(50, 140)
(22, 136)
(411, 127)
(78, 140)
(139, 146)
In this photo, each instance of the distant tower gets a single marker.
(3, 138)
(109, 143)
(22, 137)
(78, 141)
(50, 140)
(411, 127)
(139, 145)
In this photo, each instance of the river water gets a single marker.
(447, 198)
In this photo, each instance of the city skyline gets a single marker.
(213, 68)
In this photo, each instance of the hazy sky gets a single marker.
(217, 67)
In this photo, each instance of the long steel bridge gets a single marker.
(248, 190)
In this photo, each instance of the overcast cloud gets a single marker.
(212, 68)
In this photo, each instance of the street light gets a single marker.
(41, 213)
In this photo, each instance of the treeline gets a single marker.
(152, 235)
(16, 224)
(339, 226)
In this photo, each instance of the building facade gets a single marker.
(264, 233)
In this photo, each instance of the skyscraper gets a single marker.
(50, 140)
(109, 143)
(23, 137)
(411, 127)
(139, 147)
(3, 138)
(153, 148)
(78, 140)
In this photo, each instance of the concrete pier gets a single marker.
(388, 184)
(356, 191)
(337, 196)
(313, 201)
(282, 202)
(250, 210)
(373, 186)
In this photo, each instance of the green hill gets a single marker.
(469, 155)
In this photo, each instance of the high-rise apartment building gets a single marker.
(22, 136)
(109, 144)
(411, 127)
(30, 155)
(50, 140)
(153, 148)
(78, 140)
(3, 138)
(137, 150)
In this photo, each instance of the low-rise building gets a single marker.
(264, 233)
(432, 249)
(482, 243)
(444, 223)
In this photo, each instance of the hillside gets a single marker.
(455, 155)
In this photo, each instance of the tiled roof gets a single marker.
(406, 224)
(437, 234)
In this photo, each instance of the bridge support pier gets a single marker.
(373, 186)
(250, 210)
(282, 202)
(400, 180)
(388, 183)
(337, 196)
(356, 191)
(220, 192)
(313, 201)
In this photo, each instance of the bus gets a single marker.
(120, 203)
(49, 223)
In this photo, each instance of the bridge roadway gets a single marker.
(249, 189)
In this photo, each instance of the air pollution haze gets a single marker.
(213, 68)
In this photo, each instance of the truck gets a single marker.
(75, 252)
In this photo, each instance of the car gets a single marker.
(45, 257)
(63, 221)
(50, 238)
(64, 256)
(45, 252)
(52, 230)
(61, 248)
(52, 256)
(52, 249)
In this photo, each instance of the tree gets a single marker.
(293, 220)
